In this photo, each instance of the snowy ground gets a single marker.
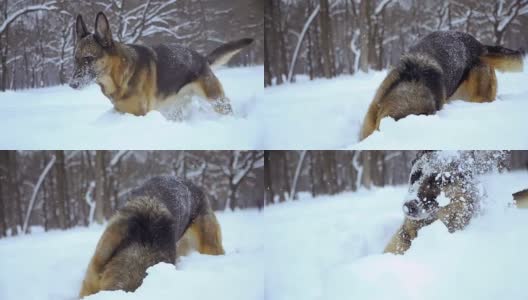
(331, 248)
(327, 114)
(50, 266)
(312, 249)
(63, 118)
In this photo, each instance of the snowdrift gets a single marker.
(51, 265)
(312, 249)
(331, 248)
(328, 113)
(63, 118)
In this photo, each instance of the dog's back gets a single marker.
(184, 200)
(455, 52)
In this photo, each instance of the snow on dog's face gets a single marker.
(431, 183)
(90, 52)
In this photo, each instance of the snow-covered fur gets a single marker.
(164, 218)
(442, 66)
(444, 186)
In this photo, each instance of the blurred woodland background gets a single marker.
(37, 36)
(330, 172)
(325, 38)
(62, 189)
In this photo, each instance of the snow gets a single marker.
(328, 113)
(331, 247)
(51, 265)
(63, 118)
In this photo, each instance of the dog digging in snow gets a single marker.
(138, 79)
(163, 219)
(443, 66)
(444, 186)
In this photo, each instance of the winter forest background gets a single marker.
(37, 36)
(62, 189)
(331, 172)
(325, 38)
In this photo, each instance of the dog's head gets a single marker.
(91, 51)
(432, 184)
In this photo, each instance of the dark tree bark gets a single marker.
(100, 180)
(327, 46)
(62, 193)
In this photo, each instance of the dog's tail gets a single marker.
(149, 223)
(223, 54)
(503, 59)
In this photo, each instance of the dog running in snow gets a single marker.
(443, 66)
(138, 79)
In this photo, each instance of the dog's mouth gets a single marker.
(415, 211)
(80, 83)
(82, 77)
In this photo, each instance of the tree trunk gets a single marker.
(62, 194)
(100, 179)
(268, 194)
(327, 46)
(364, 35)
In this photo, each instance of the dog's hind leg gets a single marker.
(209, 234)
(214, 93)
(479, 86)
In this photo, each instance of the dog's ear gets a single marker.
(80, 28)
(103, 34)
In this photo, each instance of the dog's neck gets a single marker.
(114, 80)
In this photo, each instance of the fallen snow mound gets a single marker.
(51, 266)
(62, 118)
(328, 113)
(331, 248)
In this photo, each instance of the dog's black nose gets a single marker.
(74, 85)
(410, 208)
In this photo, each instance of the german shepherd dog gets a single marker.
(443, 186)
(164, 218)
(138, 79)
(443, 66)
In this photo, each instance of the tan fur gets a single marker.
(389, 104)
(480, 85)
(521, 199)
(455, 216)
(402, 239)
(204, 235)
(372, 120)
(504, 63)
(110, 240)
(137, 99)
(106, 268)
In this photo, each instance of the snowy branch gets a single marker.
(36, 190)
(28, 9)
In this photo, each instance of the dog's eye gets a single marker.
(415, 176)
(88, 59)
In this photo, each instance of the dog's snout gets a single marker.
(74, 85)
(411, 208)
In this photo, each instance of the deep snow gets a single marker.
(328, 113)
(318, 114)
(50, 266)
(331, 247)
(63, 118)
